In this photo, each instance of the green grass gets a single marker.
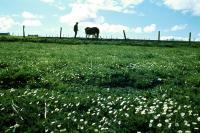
(84, 41)
(98, 88)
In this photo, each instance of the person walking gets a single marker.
(75, 29)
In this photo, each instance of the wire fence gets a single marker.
(123, 35)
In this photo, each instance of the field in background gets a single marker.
(84, 41)
(67, 86)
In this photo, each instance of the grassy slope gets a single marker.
(95, 81)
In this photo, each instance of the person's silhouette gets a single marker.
(75, 29)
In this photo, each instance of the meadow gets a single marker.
(89, 87)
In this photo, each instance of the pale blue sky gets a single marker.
(140, 18)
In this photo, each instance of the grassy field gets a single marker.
(51, 87)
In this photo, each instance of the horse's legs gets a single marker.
(96, 35)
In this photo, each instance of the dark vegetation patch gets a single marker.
(3, 65)
(21, 80)
(17, 80)
(118, 79)
(133, 79)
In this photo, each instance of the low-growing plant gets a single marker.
(58, 87)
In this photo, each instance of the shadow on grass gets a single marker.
(118, 79)
(22, 80)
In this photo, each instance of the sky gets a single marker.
(141, 19)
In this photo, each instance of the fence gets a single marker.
(61, 35)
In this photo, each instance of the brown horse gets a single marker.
(94, 31)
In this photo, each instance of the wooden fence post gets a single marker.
(124, 34)
(60, 32)
(24, 31)
(190, 36)
(158, 35)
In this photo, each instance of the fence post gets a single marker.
(124, 34)
(158, 35)
(24, 31)
(190, 36)
(60, 32)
